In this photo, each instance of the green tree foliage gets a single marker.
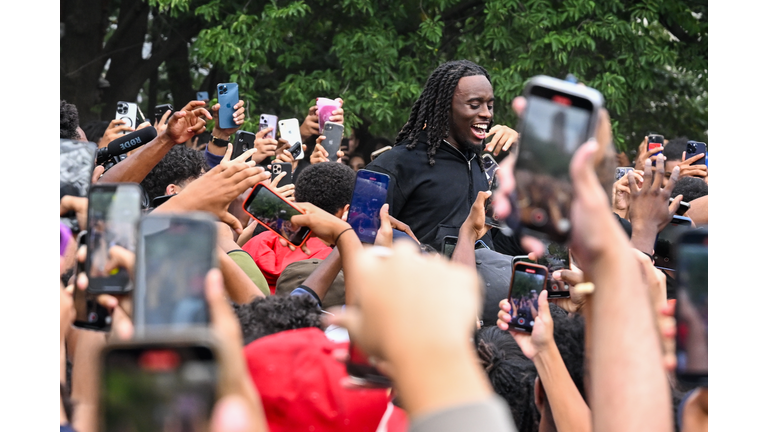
(648, 58)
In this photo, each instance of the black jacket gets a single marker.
(433, 200)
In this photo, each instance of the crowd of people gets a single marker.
(439, 330)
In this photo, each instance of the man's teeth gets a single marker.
(480, 126)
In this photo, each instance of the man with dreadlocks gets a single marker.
(435, 168)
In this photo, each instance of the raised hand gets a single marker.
(643, 154)
(311, 124)
(265, 146)
(114, 131)
(187, 122)
(688, 169)
(503, 138)
(238, 116)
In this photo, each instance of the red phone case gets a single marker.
(247, 200)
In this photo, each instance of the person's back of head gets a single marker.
(327, 185)
(178, 167)
(265, 316)
(70, 122)
(690, 188)
(674, 149)
(512, 375)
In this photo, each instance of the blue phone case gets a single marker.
(369, 196)
(228, 98)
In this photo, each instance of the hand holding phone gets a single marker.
(228, 96)
(275, 213)
(127, 112)
(333, 133)
(369, 195)
(528, 281)
(269, 121)
(282, 167)
(289, 131)
(160, 111)
(244, 141)
(691, 307)
(655, 142)
(89, 314)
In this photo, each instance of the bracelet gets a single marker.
(339, 236)
(218, 142)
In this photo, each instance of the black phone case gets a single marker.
(244, 141)
(333, 133)
(277, 168)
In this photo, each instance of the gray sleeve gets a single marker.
(490, 415)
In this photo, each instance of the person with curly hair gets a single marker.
(435, 168)
(175, 170)
(69, 124)
(327, 185)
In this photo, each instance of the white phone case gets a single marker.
(289, 130)
(126, 111)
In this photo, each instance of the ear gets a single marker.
(539, 395)
(343, 213)
(172, 189)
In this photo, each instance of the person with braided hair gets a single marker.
(435, 167)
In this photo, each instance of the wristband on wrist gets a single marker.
(339, 236)
(219, 142)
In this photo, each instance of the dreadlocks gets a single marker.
(431, 111)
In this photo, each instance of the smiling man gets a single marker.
(435, 168)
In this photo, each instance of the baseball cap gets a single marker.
(300, 384)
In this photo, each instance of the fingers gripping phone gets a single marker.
(269, 121)
(114, 211)
(655, 142)
(666, 241)
(369, 195)
(158, 384)
(275, 213)
(333, 133)
(175, 254)
(289, 131)
(89, 314)
(280, 167)
(228, 95)
(691, 307)
(244, 141)
(449, 245)
(160, 111)
(127, 112)
(559, 117)
(528, 280)
(694, 148)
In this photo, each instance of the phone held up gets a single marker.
(175, 254)
(333, 133)
(622, 171)
(691, 307)
(559, 117)
(449, 245)
(694, 148)
(269, 121)
(202, 96)
(528, 280)
(175, 378)
(114, 211)
(89, 314)
(275, 213)
(289, 131)
(666, 242)
(128, 113)
(244, 141)
(228, 96)
(655, 142)
(369, 195)
(282, 167)
(160, 110)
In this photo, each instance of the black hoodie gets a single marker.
(433, 200)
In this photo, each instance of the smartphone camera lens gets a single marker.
(122, 108)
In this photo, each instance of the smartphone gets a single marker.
(684, 207)
(333, 133)
(369, 195)
(269, 120)
(559, 117)
(378, 152)
(158, 384)
(694, 148)
(361, 372)
(296, 150)
(203, 96)
(666, 241)
(287, 168)
(481, 245)
(175, 254)
(244, 141)
(528, 280)
(655, 142)
(160, 111)
(449, 245)
(127, 112)
(228, 98)
(89, 314)
(273, 212)
(556, 257)
(622, 171)
(691, 307)
(490, 212)
(489, 166)
(114, 211)
(289, 131)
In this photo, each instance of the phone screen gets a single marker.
(555, 124)
(449, 245)
(556, 257)
(528, 280)
(176, 255)
(275, 213)
(691, 308)
(89, 314)
(113, 217)
(369, 196)
(158, 388)
(666, 241)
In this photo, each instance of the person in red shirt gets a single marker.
(327, 185)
